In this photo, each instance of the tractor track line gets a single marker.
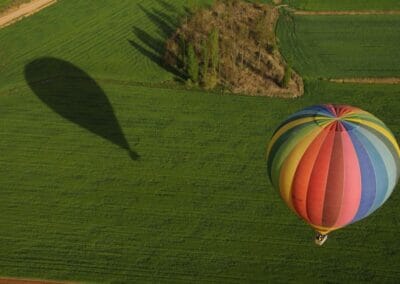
(29, 281)
(331, 13)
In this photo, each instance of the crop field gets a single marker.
(341, 46)
(121, 41)
(194, 203)
(341, 5)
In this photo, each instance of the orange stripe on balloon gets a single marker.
(303, 174)
(319, 177)
(290, 165)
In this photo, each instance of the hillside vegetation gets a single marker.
(233, 45)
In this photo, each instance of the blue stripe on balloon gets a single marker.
(376, 150)
(389, 156)
(368, 179)
(319, 109)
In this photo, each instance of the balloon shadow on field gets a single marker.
(73, 94)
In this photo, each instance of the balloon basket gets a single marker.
(320, 239)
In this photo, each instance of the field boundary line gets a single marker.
(347, 12)
(23, 11)
(368, 80)
(4, 280)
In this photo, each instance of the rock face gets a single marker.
(249, 61)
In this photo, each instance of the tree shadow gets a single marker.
(166, 21)
(73, 94)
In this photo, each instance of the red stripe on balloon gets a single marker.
(352, 182)
(343, 110)
(318, 179)
(303, 174)
(334, 188)
(331, 109)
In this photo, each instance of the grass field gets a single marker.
(341, 5)
(197, 206)
(341, 46)
(121, 41)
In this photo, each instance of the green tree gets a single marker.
(243, 34)
(193, 65)
(206, 62)
(183, 53)
(262, 35)
(287, 76)
(192, 6)
(214, 49)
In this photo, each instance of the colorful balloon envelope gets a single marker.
(333, 164)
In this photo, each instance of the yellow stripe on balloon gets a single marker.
(324, 230)
(289, 126)
(380, 129)
(289, 167)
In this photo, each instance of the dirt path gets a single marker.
(27, 9)
(368, 12)
(388, 80)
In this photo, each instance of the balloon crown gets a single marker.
(337, 117)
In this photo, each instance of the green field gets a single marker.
(341, 46)
(340, 5)
(121, 41)
(197, 206)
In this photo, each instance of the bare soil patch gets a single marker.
(19, 12)
(389, 80)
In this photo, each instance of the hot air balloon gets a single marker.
(333, 165)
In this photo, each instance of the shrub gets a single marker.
(193, 65)
(287, 76)
(206, 62)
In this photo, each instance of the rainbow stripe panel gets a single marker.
(333, 164)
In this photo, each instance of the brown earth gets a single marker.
(388, 80)
(247, 64)
(19, 12)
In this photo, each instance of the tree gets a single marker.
(243, 39)
(214, 46)
(262, 35)
(206, 62)
(193, 65)
(182, 49)
(287, 76)
(192, 6)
